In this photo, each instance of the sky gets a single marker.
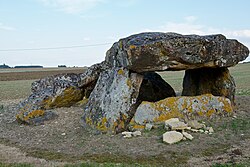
(94, 25)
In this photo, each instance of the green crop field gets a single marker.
(13, 87)
(240, 72)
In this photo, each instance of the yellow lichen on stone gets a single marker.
(102, 125)
(120, 44)
(67, 98)
(129, 83)
(88, 121)
(82, 102)
(183, 107)
(33, 114)
(132, 47)
(138, 127)
(120, 72)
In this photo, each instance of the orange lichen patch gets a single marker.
(181, 107)
(102, 125)
(33, 114)
(67, 98)
(129, 83)
(82, 102)
(132, 47)
(88, 121)
(138, 127)
(209, 113)
(165, 116)
(120, 72)
(200, 113)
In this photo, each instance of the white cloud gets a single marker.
(240, 33)
(6, 28)
(72, 6)
(190, 26)
(190, 18)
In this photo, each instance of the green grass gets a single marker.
(240, 73)
(15, 89)
(15, 165)
(231, 165)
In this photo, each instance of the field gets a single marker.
(45, 145)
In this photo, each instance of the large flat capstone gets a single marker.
(155, 51)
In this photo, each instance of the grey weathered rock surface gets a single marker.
(155, 51)
(148, 126)
(195, 107)
(216, 81)
(47, 93)
(89, 78)
(113, 101)
(172, 137)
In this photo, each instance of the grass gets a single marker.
(15, 165)
(82, 164)
(240, 73)
(231, 165)
(15, 89)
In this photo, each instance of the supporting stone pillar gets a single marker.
(113, 101)
(216, 81)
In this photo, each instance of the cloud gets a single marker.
(190, 26)
(190, 18)
(72, 6)
(6, 28)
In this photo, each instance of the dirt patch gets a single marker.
(64, 139)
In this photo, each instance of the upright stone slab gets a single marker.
(113, 101)
(216, 81)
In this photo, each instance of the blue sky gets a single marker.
(57, 23)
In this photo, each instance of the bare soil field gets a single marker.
(64, 142)
(34, 73)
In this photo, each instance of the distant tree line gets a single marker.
(31, 66)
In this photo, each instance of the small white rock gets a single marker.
(136, 133)
(148, 126)
(194, 130)
(210, 130)
(172, 137)
(127, 134)
(169, 121)
(206, 132)
(201, 130)
(177, 125)
(194, 124)
(187, 135)
(172, 120)
(63, 134)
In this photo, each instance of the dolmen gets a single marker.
(125, 89)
